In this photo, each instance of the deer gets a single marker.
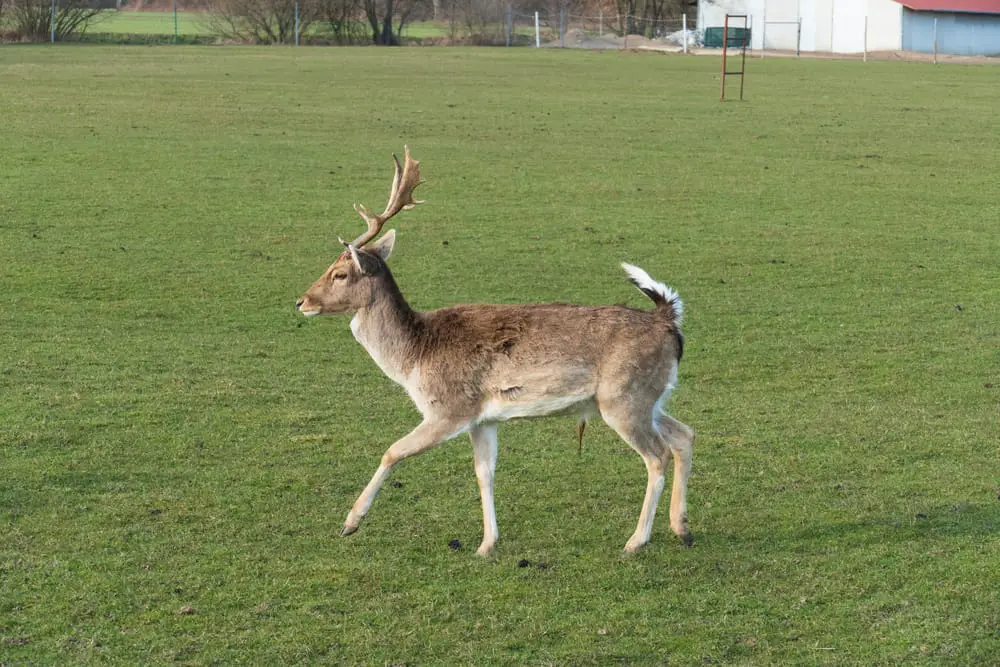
(467, 368)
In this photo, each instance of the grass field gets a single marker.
(179, 448)
(151, 23)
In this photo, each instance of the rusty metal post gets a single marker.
(725, 45)
(743, 64)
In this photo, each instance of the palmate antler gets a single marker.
(404, 182)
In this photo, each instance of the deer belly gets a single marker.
(511, 406)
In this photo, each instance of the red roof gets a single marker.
(970, 6)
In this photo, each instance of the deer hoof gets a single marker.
(632, 546)
(348, 530)
(687, 539)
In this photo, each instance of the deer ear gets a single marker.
(383, 247)
(367, 264)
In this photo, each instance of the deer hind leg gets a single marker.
(636, 428)
(419, 440)
(484, 449)
(679, 438)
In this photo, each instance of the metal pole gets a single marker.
(832, 10)
(865, 57)
(935, 41)
(725, 43)
(743, 62)
(763, 32)
(684, 31)
(798, 39)
(600, 24)
(538, 39)
(296, 22)
(562, 29)
(52, 24)
(507, 27)
(175, 21)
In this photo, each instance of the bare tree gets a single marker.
(484, 19)
(32, 19)
(343, 18)
(642, 17)
(260, 21)
(380, 15)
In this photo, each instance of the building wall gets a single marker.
(885, 26)
(957, 33)
(827, 25)
(781, 33)
(847, 26)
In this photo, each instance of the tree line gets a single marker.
(379, 22)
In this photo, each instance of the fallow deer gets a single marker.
(469, 367)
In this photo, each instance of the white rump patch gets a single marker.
(644, 281)
(661, 402)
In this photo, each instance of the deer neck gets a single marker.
(388, 330)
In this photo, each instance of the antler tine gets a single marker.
(405, 179)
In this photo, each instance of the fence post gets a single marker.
(52, 24)
(538, 39)
(935, 41)
(600, 24)
(507, 27)
(296, 22)
(864, 58)
(175, 21)
(562, 29)
(798, 39)
(684, 31)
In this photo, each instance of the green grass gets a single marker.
(428, 29)
(176, 439)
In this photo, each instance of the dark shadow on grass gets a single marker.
(942, 521)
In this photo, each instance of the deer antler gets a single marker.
(404, 182)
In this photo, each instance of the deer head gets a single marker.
(352, 281)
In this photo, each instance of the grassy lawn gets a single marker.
(178, 448)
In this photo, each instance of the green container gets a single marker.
(713, 37)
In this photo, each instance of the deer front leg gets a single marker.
(484, 450)
(417, 441)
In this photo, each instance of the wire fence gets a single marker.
(193, 21)
(600, 31)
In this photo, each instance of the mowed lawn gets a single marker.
(179, 448)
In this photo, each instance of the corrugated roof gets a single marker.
(968, 6)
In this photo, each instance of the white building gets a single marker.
(837, 26)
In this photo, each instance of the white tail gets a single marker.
(468, 368)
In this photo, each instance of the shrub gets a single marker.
(31, 20)
(260, 21)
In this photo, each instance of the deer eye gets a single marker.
(340, 276)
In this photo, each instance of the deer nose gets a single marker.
(298, 304)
